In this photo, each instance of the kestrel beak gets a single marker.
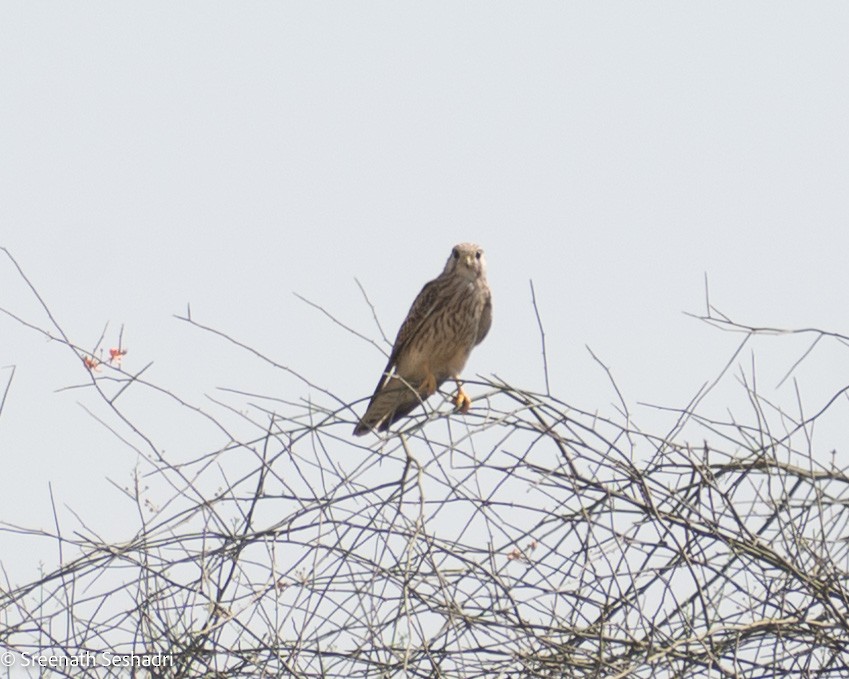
(469, 261)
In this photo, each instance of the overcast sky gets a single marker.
(227, 155)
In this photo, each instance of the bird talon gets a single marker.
(462, 402)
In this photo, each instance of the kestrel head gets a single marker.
(466, 260)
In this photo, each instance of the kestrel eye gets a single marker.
(456, 253)
(478, 254)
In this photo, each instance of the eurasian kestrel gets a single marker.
(450, 316)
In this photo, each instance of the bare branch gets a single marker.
(528, 538)
(11, 369)
(340, 324)
(542, 337)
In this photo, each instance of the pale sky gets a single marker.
(227, 155)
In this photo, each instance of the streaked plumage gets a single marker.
(449, 317)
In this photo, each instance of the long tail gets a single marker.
(388, 405)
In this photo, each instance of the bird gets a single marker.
(450, 316)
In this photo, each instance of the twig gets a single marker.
(542, 338)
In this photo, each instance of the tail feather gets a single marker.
(390, 403)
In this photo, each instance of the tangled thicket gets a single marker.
(528, 538)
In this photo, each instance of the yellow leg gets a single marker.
(462, 402)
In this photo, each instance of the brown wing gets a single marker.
(392, 399)
(390, 403)
(485, 322)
